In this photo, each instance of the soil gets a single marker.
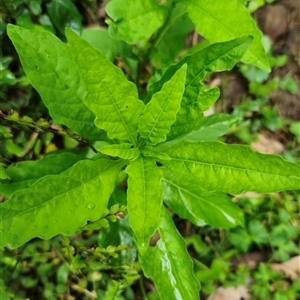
(281, 22)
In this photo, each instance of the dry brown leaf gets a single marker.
(267, 145)
(290, 268)
(238, 293)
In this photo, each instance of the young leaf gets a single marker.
(49, 66)
(169, 265)
(120, 233)
(134, 20)
(215, 166)
(214, 58)
(152, 152)
(58, 204)
(144, 197)
(225, 20)
(108, 94)
(26, 173)
(124, 151)
(189, 202)
(160, 112)
(207, 97)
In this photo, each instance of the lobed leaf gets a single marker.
(135, 20)
(190, 202)
(225, 20)
(233, 169)
(124, 151)
(25, 173)
(214, 58)
(144, 197)
(58, 204)
(160, 112)
(108, 94)
(51, 70)
(169, 265)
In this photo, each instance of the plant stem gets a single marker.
(142, 288)
(161, 32)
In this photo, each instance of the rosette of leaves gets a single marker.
(84, 91)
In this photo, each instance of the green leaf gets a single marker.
(225, 20)
(152, 152)
(214, 58)
(189, 202)
(212, 127)
(3, 174)
(125, 151)
(50, 68)
(207, 97)
(169, 265)
(64, 13)
(173, 37)
(144, 197)
(215, 166)
(26, 173)
(108, 94)
(100, 39)
(120, 233)
(58, 204)
(160, 112)
(135, 20)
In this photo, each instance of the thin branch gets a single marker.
(42, 126)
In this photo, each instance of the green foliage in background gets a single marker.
(156, 142)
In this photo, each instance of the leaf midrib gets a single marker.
(132, 139)
(194, 195)
(50, 199)
(178, 279)
(58, 74)
(162, 110)
(211, 62)
(232, 167)
(217, 21)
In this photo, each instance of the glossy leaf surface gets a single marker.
(160, 112)
(169, 265)
(216, 57)
(144, 197)
(58, 204)
(134, 20)
(25, 173)
(108, 94)
(190, 202)
(233, 169)
(225, 20)
(125, 151)
(49, 66)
